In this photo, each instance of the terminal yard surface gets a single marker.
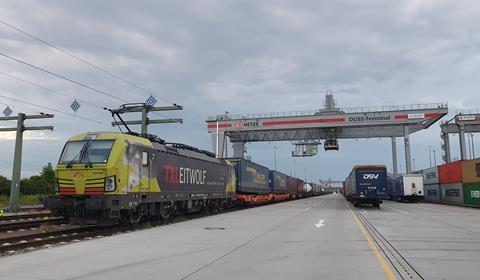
(313, 238)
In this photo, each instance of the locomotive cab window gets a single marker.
(88, 151)
(144, 158)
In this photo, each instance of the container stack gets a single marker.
(459, 182)
(451, 187)
(471, 181)
(431, 184)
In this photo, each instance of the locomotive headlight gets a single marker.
(110, 184)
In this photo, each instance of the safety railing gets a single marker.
(468, 112)
(410, 107)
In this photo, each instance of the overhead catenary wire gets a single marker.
(19, 107)
(64, 78)
(68, 79)
(54, 110)
(49, 89)
(85, 61)
(9, 105)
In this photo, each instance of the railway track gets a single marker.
(403, 269)
(29, 223)
(28, 241)
(12, 242)
(26, 216)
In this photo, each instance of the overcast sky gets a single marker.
(242, 57)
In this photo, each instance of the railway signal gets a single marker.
(17, 158)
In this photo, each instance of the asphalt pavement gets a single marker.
(313, 238)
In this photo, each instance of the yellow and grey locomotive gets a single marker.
(109, 178)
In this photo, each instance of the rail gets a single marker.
(410, 107)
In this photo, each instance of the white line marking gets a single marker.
(320, 224)
(306, 209)
(365, 212)
(435, 210)
(401, 211)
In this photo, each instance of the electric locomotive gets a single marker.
(106, 178)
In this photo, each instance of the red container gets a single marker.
(450, 173)
(300, 185)
(292, 185)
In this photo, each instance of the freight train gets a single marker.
(366, 184)
(406, 187)
(107, 178)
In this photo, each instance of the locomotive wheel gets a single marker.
(168, 212)
(135, 217)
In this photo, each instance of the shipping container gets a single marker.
(407, 187)
(451, 193)
(471, 192)
(278, 182)
(450, 173)
(317, 189)
(471, 171)
(252, 178)
(300, 185)
(292, 185)
(431, 193)
(430, 176)
(367, 184)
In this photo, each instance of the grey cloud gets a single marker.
(246, 56)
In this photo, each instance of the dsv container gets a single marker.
(431, 192)
(452, 193)
(471, 171)
(472, 194)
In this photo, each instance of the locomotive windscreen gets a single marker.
(89, 151)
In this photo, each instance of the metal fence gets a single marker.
(468, 112)
(337, 110)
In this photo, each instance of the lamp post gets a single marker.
(294, 173)
(275, 157)
(473, 146)
(430, 154)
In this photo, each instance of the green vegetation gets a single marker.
(24, 200)
(31, 189)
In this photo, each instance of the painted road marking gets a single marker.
(306, 209)
(383, 263)
(320, 224)
(401, 211)
(434, 210)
